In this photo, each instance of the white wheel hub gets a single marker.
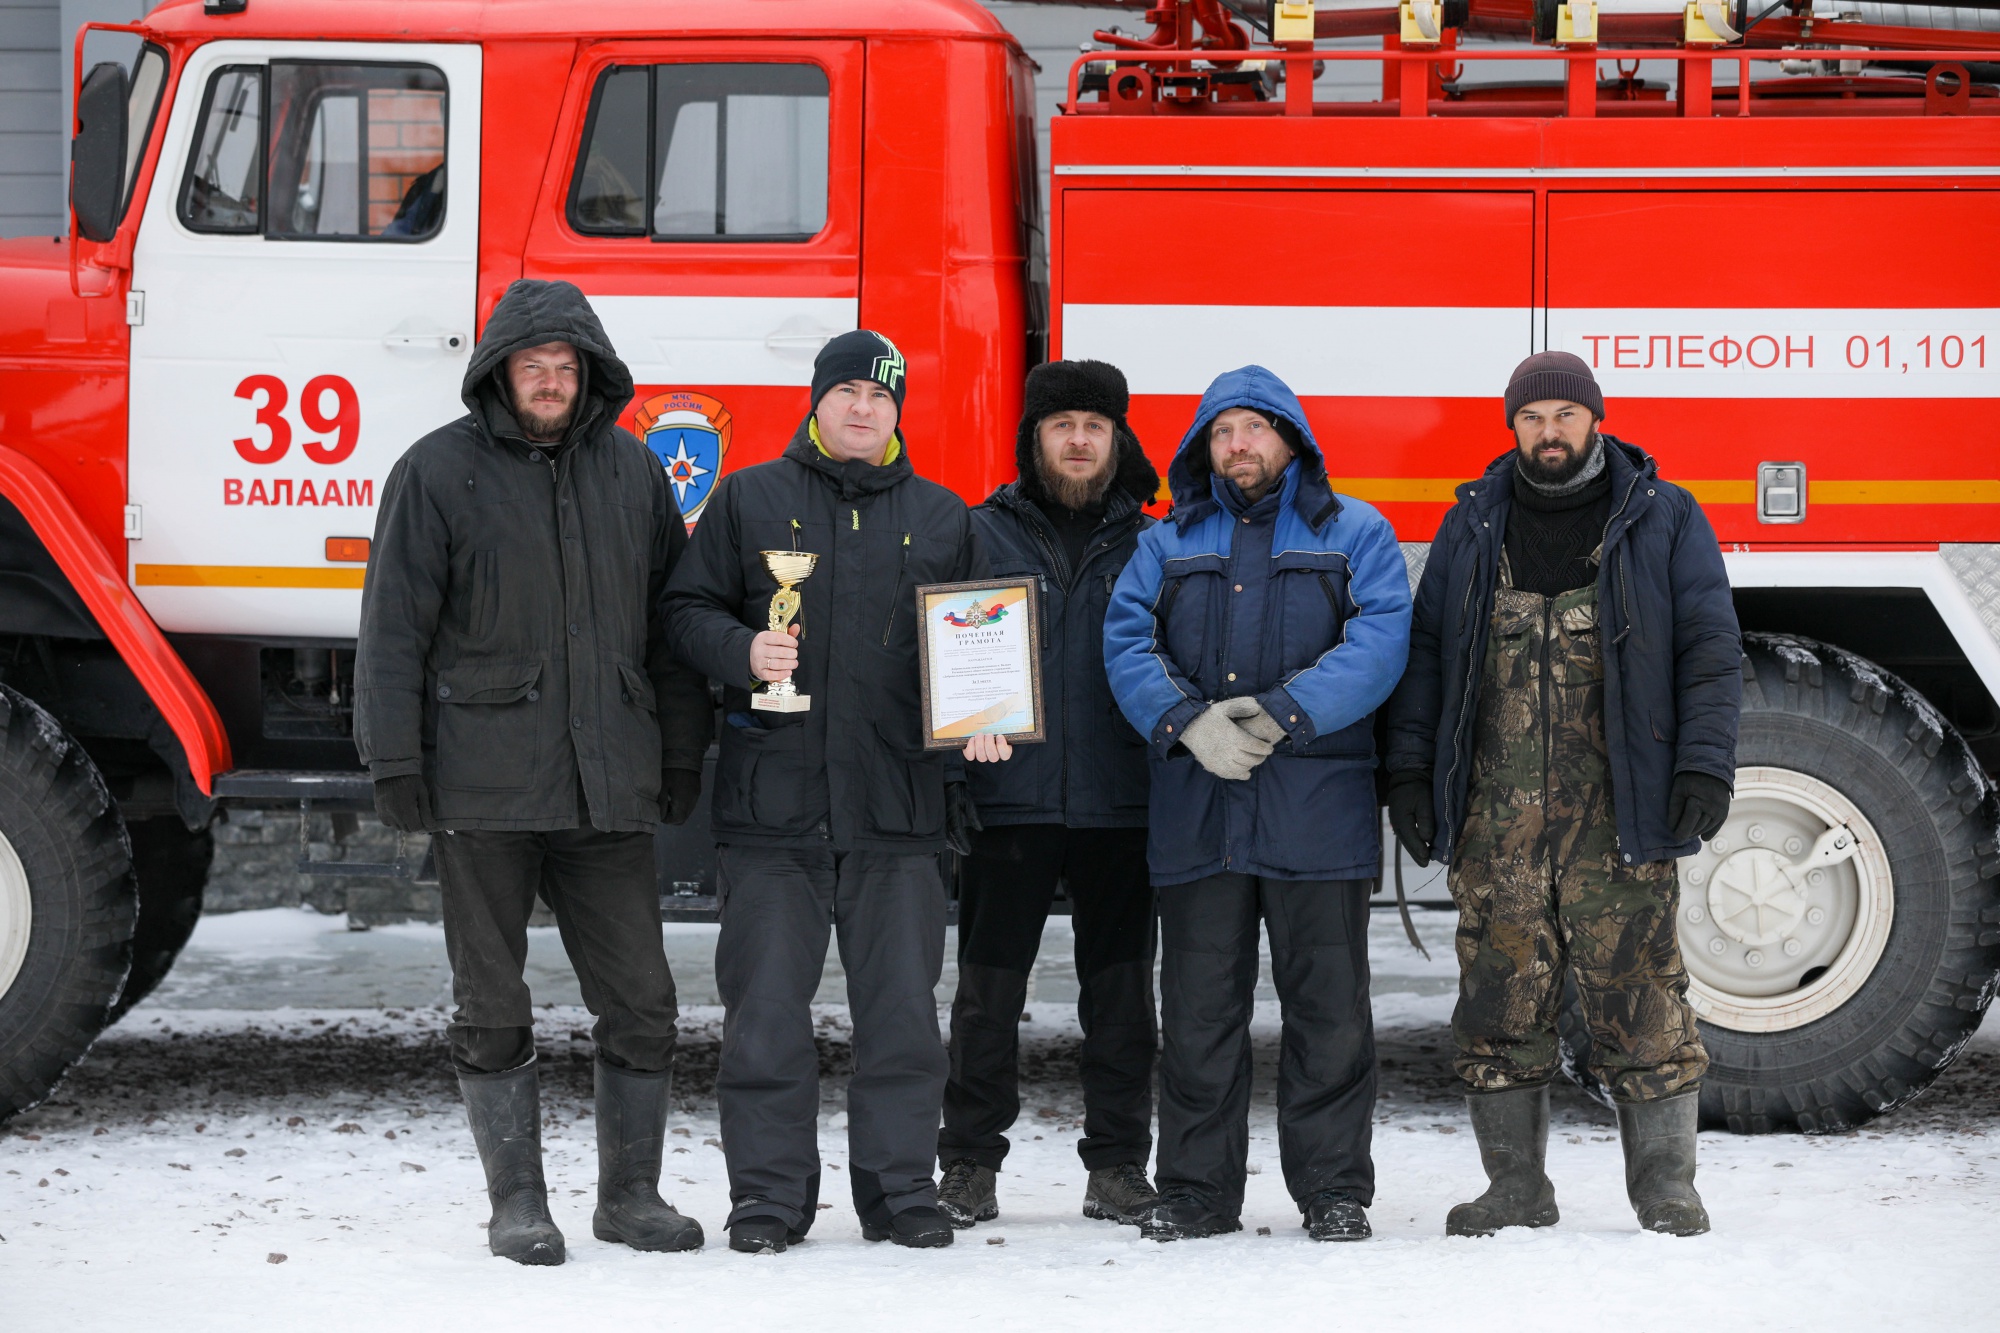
(1786, 911)
(17, 915)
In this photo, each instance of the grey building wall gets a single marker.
(31, 141)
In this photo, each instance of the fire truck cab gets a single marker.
(291, 217)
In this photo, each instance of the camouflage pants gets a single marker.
(1539, 883)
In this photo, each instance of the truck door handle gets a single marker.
(793, 342)
(435, 342)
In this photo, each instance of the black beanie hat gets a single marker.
(1553, 375)
(861, 355)
(1082, 386)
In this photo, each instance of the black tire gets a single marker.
(171, 867)
(1820, 710)
(59, 817)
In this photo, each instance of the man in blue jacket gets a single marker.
(1566, 729)
(1250, 640)
(1071, 809)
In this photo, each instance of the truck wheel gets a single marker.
(171, 866)
(66, 902)
(1835, 993)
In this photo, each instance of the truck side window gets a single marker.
(355, 152)
(224, 191)
(685, 152)
(149, 76)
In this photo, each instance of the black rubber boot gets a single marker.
(506, 1114)
(1335, 1215)
(1659, 1140)
(1513, 1131)
(1184, 1215)
(631, 1122)
(966, 1193)
(1120, 1194)
(917, 1228)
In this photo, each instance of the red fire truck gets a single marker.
(291, 216)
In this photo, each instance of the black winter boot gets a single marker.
(1513, 1131)
(917, 1228)
(1336, 1215)
(1659, 1140)
(966, 1193)
(761, 1235)
(1120, 1194)
(506, 1114)
(1185, 1215)
(631, 1122)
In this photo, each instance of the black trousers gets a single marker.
(1009, 882)
(1326, 1060)
(602, 889)
(778, 908)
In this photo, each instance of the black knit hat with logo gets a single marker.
(1082, 386)
(1553, 375)
(861, 355)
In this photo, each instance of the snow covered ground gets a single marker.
(222, 1164)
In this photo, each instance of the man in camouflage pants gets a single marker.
(1570, 709)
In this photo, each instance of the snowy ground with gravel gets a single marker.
(223, 1166)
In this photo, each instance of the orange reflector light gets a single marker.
(347, 550)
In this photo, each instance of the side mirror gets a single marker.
(97, 154)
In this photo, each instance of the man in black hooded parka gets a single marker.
(514, 695)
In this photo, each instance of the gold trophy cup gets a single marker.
(789, 568)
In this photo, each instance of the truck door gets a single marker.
(303, 288)
(1399, 350)
(707, 200)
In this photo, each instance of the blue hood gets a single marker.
(1256, 388)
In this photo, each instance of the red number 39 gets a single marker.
(344, 424)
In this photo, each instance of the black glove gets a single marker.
(1413, 813)
(680, 789)
(404, 804)
(961, 818)
(1697, 805)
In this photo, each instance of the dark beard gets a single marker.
(547, 430)
(1565, 471)
(1076, 493)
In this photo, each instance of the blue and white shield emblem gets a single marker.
(689, 433)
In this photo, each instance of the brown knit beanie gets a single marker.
(1553, 375)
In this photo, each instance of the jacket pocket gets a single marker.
(1185, 815)
(1317, 816)
(763, 772)
(489, 723)
(1664, 726)
(485, 593)
(906, 793)
(636, 744)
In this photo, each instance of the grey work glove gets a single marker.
(1259, 723)
(1221, 745)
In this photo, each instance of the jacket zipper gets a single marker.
(1624, 601)
(902, 567)
(1068, 578)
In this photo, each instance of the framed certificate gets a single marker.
(980, 649)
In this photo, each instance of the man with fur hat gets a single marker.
(829, 821)
(1250, 640)
(515, 695)
(1566, 730)
(1071, 810)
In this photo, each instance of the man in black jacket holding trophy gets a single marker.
(798, 594)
